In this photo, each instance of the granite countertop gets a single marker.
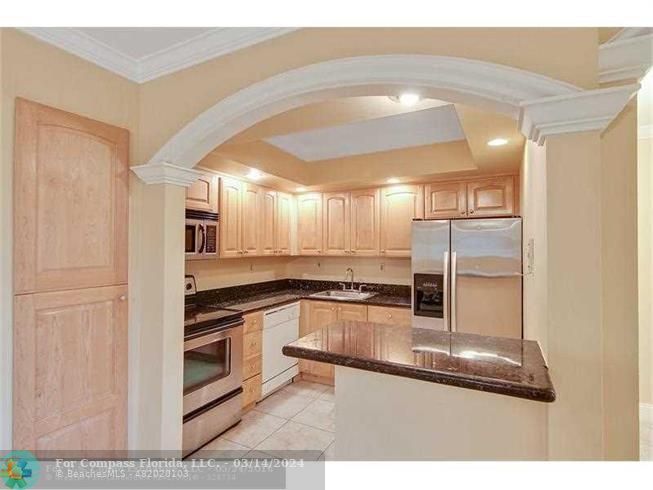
(254, 297)
(505, 366)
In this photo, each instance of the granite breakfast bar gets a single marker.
(458, 396)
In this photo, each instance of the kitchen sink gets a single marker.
(343, 295)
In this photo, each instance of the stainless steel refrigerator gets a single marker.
(467, 276)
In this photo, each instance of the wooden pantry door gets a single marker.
(70, 281)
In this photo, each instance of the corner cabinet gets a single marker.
(309, 224)
(400, 204)
(202, 195)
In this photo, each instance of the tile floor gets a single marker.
(298, 417)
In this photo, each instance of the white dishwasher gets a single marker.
(280, 327)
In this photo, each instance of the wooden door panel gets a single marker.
(269, 223)
(491, 197)
(309, 229)
(284, 206)
(365, 222)
(202, 195)
(445, 200)
(390, 316)
(230, 218)
(336, 223)
(86, 434)
(70, 366)
(252, 212)
(400, 205)
(352, 312)
(70, 200)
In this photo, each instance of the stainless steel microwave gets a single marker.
(201, 235)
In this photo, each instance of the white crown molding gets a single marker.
(489, 85)
(166, 173)
(591, 110)
(645, 132)
(627, 58)
(206, 46)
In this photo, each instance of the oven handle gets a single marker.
(212, 335)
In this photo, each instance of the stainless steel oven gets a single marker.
(213, 359)
(201, 235)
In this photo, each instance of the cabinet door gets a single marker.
(252, 218)
(365, 222)
(202, 195)
(319, 315)
(445, 200)
(268, 245)
(491, 197)
(336, 223)
(284, 206)
(399, 205)
(309, 225)
(230, 218)
(71, 179)
(389, 316)
(70, 376)
(352, 312)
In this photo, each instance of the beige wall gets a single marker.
(212, 274)
(533, 209)
(619, 285)
(548, 51)
(645, 256)
(48, 75)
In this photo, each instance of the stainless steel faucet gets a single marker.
(347, 272)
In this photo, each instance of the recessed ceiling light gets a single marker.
(393, 180)
(406, 98)
(300, 189)
(254, 174)
(497, 142)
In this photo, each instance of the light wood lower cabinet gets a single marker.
(348, 311)
(389, 315)
(252, 358)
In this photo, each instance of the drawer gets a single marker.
(253, 322)
(252, 343)
(389, 316)
(251, 367)
(252, 390)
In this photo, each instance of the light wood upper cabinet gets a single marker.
(444, 200)
(491, 197)
(400, 204)
(251, 218)
(309, 225)
(283, 223)
(365, 230)
(230, 218)
(70, 200)
(269, 222)
(336, 228)
(202, 195)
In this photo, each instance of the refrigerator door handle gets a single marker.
(453, 291)
(446, 290)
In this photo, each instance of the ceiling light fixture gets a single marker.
(300, 189)
(407, 99)
(497, 142)
(254, 174)
(393, 180)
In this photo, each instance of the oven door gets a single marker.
(213, 363)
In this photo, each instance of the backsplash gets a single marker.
(221, 273)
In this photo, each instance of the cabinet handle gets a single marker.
(471, 211)
(352, 251)
(389, 315)
(122, 298)
(382, 251)
(240, 252)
